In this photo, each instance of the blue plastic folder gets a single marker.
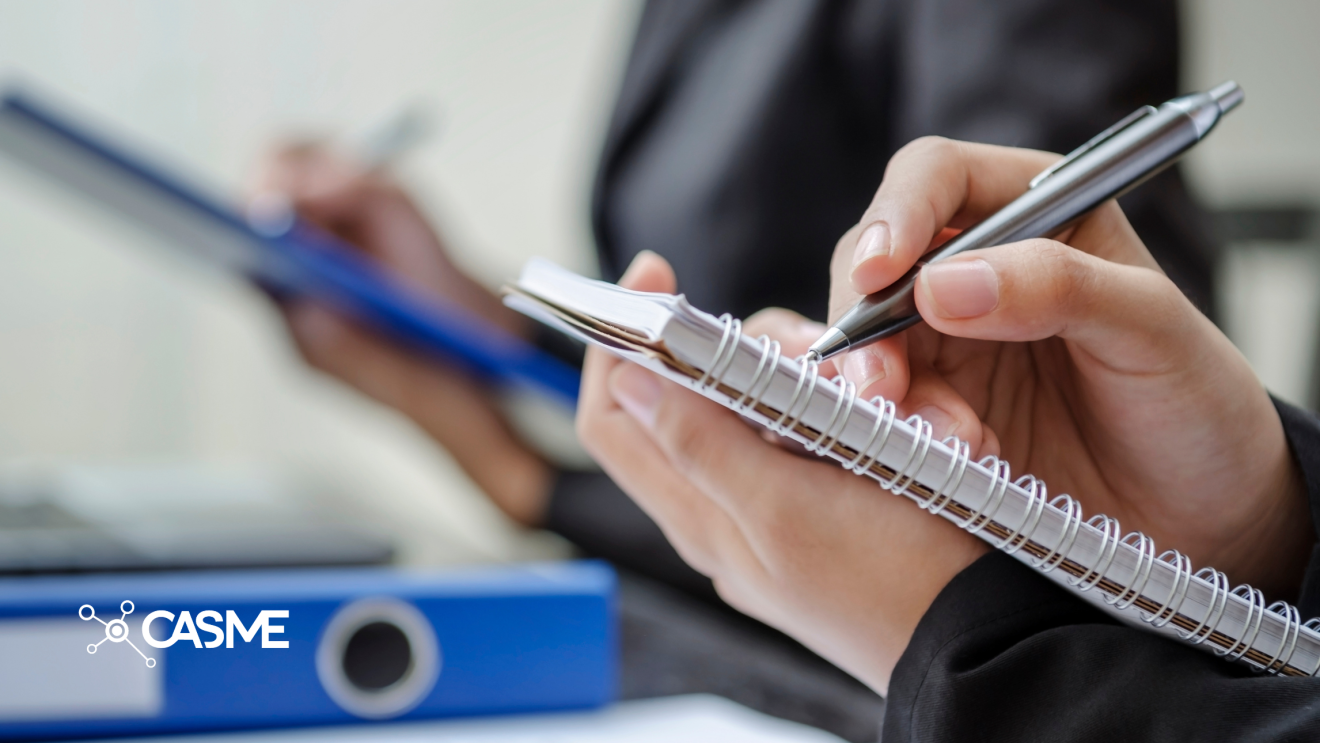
(300, 647)
(302, 261)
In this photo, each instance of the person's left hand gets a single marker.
(770, 528)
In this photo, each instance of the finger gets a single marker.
(649, 272)
(1127, 317)
(614, 439)
(722, 457)
(698, 528)
(879, 369)
(325, 187)
(700, 532)
(930, 184)
(336, 346)
(932, 397)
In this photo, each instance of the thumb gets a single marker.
(649, 273)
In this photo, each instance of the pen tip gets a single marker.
(833, 343)
(1228, 96)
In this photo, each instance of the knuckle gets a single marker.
(1167, 302)
(698, 558)
(841, 262)
(927, 147)
(919, 153)
(733, 594)
(589, 428)
(690, 443)
(1064, 272)
(770, 321)
(780, 532)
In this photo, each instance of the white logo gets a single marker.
(116, 630)
(206, 621)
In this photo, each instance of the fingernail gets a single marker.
(637, 391)
(941, 423)
(873, 242)
(865, 368)
(962, 289)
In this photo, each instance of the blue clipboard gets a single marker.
(303, 261)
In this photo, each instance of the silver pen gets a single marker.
(1112, 163)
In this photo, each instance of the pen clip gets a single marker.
(1092, 143)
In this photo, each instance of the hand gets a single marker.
(1078, 361)
(376, 216)
(799, 543)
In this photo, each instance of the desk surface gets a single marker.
(690, 717)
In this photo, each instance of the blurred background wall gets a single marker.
(114, 350)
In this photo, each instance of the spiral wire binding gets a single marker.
(1256, 608)
(1035, 507)
(1072, 511)
(1287, 643)
(847, 402)
(1145, 548)
(1218, 600)
(1112, 538)
(994, 495)
(1182, 578)
(962, 454)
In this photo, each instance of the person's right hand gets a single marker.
(1079, 362)
(372, 213)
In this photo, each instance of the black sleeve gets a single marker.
(589, 510)
(1005, 654)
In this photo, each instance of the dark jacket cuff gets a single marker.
(589, 510)
(1303, 432)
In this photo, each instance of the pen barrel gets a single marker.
(1108, 171)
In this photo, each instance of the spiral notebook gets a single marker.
(1122, 574)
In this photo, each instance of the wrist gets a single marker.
(461, 415)
(519, 485)
(1272, 553)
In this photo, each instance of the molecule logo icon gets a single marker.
(116, 630)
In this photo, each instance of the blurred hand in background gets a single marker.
(368, 210)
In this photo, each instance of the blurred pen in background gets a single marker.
(272, 214)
